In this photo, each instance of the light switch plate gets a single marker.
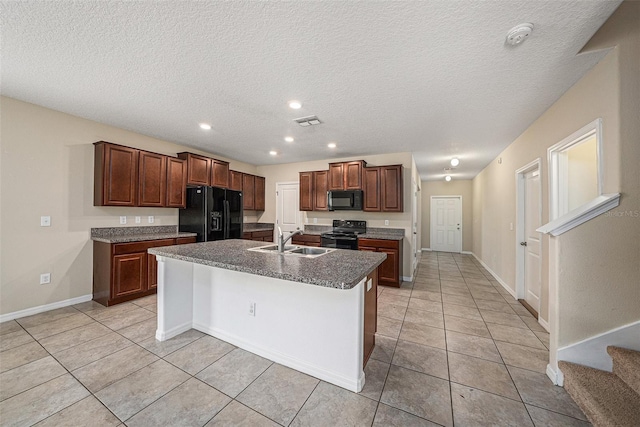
(137, 220)
(123, 220)
(511, 226)
(45, 278)
(45, 221)
(386, 222)
(151, 219)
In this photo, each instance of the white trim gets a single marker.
(557, 378)
(431, 219)
(582, 214)
(498, 279)
(544, 323)
(426, 249)
(592, 351)
(407, 278)
(173, 332)
(42, 308)
(466, 253)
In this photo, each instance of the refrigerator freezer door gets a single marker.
(216, 215)
(234, 199)
(193, 218)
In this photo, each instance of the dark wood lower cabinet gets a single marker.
(258, 236)
(306, 240)
(370, 314)
(390, 270)
(125, 271)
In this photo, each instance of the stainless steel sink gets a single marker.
(272, 248)
(310, 251)
(300, 251)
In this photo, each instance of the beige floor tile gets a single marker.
(278, 393)
(375, 374)
(389, 327)
(472, 407)
(422, 317)
(401, 292)
(192, 403)
(57, 343)
(428, 360)
(9, 326)
(536, 389)
(232, 373)
(500, 306)
(89, 306)
(471, 345)
(46, 317)
(455, 284)
(140, 331)
(237, 415)
(520, 356)
(419, 394)
(90, 351)
(199, 354)
(391, 311)
(428, 295)
(488, 296)
(106, 371)
(543, 418)
(426, 305)
(544, 337)
(128, 318)
(163, 348)
(532, 323)
(58, 326)
(505, 319)
(423, 334)
(515, 336)
(87, 412)
(135, 392)
(450, 291)
(393, 299)
(21, 355)
(430, 287)
(42, 401)
(466, 326)
(15, 339)
(28, 376)
(520, 310)
(342, 407)
(482, 374)
(100, 312)
(384, 348)
(461, 311)
(387, 416)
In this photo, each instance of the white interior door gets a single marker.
(446, 223)
(287, 207)
(531, 243)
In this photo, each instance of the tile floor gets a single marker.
(453, 348)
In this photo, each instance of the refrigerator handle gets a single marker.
(227, 219)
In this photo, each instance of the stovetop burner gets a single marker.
(349, 226)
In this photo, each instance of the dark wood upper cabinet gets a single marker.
(336, 176)
(115, 175)
(259, 193)
(235, 180)
(152, 179)
(320, 184)
(176, 183)
(248, 190)
(371, 190)
(306, 191)
(391, 188)
(219, 173)
(346, 175)
(198, 169)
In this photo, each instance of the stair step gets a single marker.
(605, 399)
(626, 365)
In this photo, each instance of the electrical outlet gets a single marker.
(123, 220)
(45, 278)
(511, 226)
(45, 221)
(137, 220)
(151, 219)
(386, 222)
(252, 309)
(315, 220)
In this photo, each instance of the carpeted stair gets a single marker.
(607, 398)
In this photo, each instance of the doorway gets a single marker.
(287, 207)
(528, 240)
(446, 223)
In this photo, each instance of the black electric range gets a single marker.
(344, 234)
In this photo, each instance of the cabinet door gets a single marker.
(235, 180)
(219, 173)
(336, 176)
(353, 175)
(152, 272)
(371, 190)
(116, 175)
(129, 274)
(320, 182)
(176, 183)
(247, 236)
(198, 169)
(391, 188)
(259, 193)
(152, 179)
(388, 270)
(306, 191)
(248, 191)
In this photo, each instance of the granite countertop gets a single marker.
(340, 269)
(316, 230)
(383, 233)
(248, 227)
(137, 234)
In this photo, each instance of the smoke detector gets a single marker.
(519, 33)
(308, 121)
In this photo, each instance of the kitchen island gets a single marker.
(315, 314)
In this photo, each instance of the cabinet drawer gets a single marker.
(263, 233)
(185, 240)
(128, 248)
(378, 243)
(303, 239)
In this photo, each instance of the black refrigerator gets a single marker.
(214, 213)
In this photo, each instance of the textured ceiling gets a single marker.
(430, 77)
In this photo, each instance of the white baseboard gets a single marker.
(593, 351)
(543, 323)
(495, 276)
(426, 249)
(173, 332)
(556, 377)
(407, 278)
(466, 253)
(42, 308)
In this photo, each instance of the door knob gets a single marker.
(523, 243)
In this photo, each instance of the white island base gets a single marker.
(313, 329)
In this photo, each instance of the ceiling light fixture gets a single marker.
(296, 105)
(308, 121)
(519, 33)
(288, 138)
(455, 162)
(205, 126)
(331, 145)
(447, 178)
(273, 153)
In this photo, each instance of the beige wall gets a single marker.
(47, 169)
(599, 271)
(289, 173)
(462, 188)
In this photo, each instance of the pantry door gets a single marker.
(287, 207)
(446, 223)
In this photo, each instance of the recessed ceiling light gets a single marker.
(447, 178)
(205, 126)
(296, 105)
(455, 162)
(273, 153)
(288, 138)
(331, 145)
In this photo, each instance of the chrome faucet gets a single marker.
(282, 240)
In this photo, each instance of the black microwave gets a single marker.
(345, 200)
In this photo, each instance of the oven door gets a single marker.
(339, 242)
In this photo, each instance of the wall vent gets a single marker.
(308, 121)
